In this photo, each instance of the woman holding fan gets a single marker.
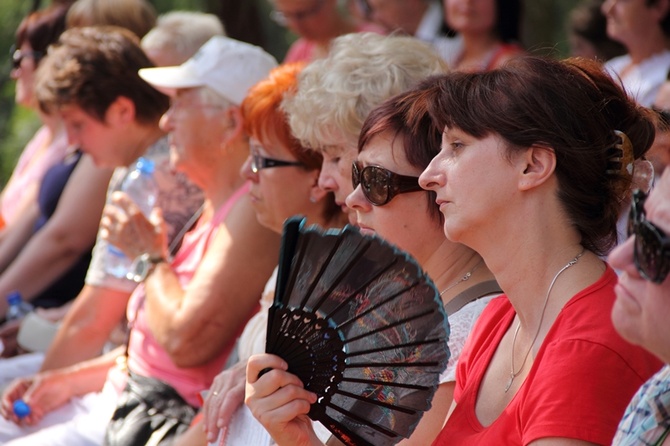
(396, 144)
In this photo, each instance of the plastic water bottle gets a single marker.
(140, 185)
(17, 308)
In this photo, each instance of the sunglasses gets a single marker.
(651, 251)
(18, 56)
(259, 162)
(380, 185)
(282, 18)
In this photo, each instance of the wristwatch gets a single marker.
(142, 267)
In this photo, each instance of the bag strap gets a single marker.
(471, 294)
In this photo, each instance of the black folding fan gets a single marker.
(362, 326)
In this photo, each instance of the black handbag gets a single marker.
(148, 412)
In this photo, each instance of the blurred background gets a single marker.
(544, 32)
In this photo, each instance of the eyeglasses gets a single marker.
(18, 56)
(259, 162)
(282, 18)
(651, 251)
(380, 185)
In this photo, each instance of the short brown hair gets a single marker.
(572, 107)
(91, 67)
(406, 117)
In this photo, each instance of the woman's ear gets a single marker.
(234, 125)
(538, 164)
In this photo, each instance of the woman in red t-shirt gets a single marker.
(536, 161)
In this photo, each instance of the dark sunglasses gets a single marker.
(18, 56)
(380, 185)
(651, 251)
(259, 162)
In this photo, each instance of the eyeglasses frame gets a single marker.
(16, 55)
(260, 162)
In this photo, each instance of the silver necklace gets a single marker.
(512, 373)
(464, 278)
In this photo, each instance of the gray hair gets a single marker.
(180, 34)
(335, 94)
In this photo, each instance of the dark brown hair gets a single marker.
(91, 67)
(406, 117)
(572, 107)
(42, 28)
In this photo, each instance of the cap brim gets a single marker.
(168, 79)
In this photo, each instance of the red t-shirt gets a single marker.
(579, 385)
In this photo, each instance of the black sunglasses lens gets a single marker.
(644, 252)
(649, 258)
(375, 182)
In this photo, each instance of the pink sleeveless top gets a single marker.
(145, 355)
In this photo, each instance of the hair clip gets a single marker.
(620, 156)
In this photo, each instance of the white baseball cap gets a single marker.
(226, 65)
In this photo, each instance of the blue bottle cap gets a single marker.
(21, 409)
(145, 165)
(14, 298)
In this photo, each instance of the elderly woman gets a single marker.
(336, 94)
(642, 309)
(536, 189)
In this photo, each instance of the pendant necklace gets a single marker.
(512, 373)
(464, 278)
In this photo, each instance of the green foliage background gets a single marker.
(544, 25)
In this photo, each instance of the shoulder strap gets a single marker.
(471, 294)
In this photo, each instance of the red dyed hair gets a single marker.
(264, 118)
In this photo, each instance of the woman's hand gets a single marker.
(225, 395)
(279, 401)
(43, 393)
(124, 225)
(8, 334)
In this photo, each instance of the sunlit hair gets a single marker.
(406, 119)
(572, 107)
(336, 94)
(91, 67)
(138, 16)
(265, 120)
(42, 27)
(180, 34)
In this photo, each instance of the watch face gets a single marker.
(139, 268)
